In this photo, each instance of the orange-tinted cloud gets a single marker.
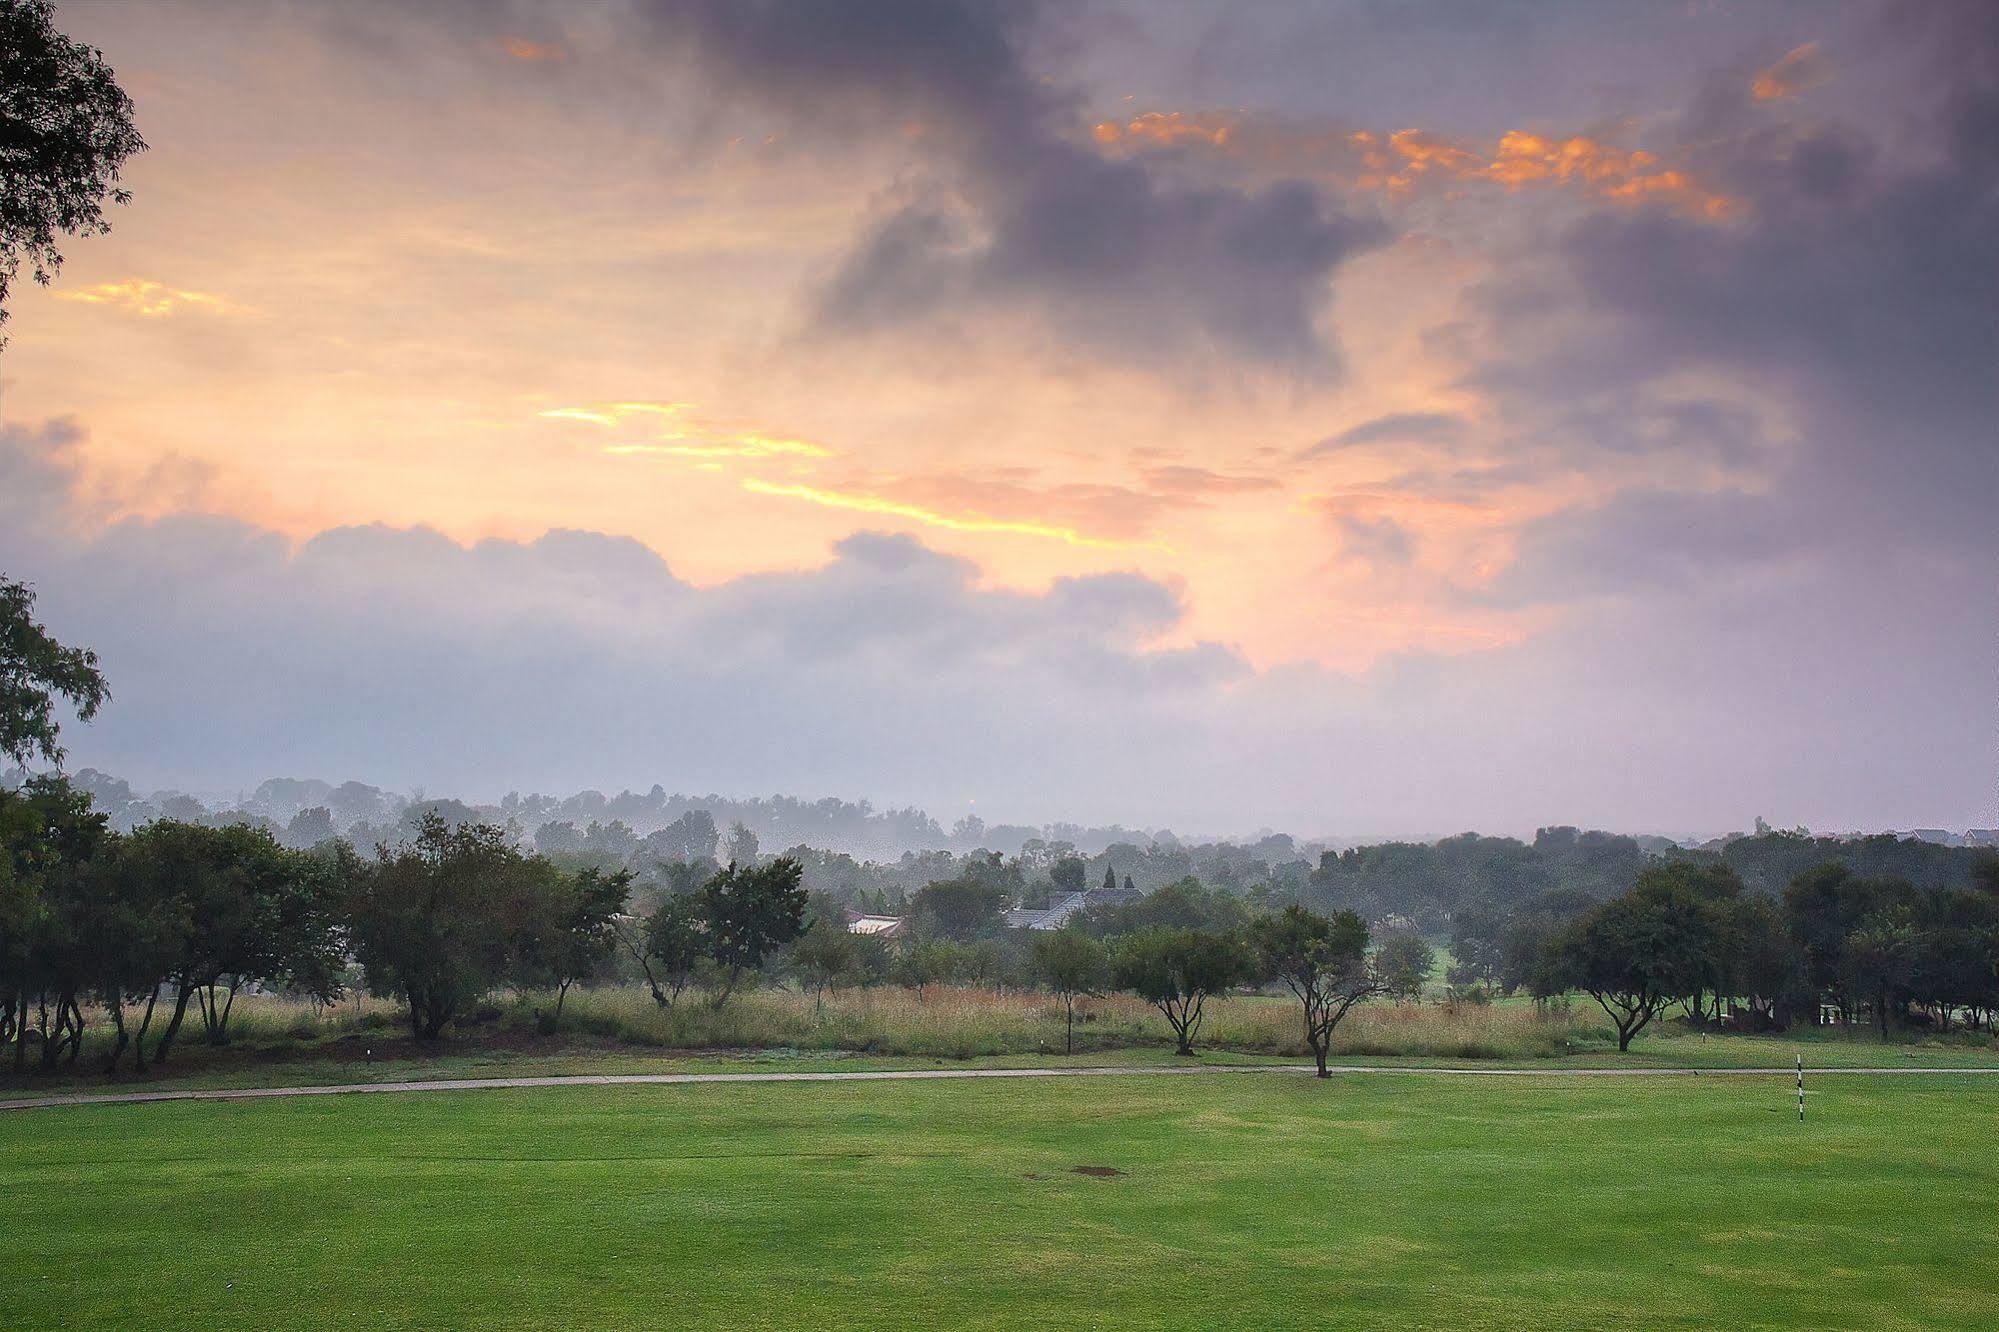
(1167, 129)
(861, 502)
(1798, 72)
(148, 299)
(1625, 175)
(1402, 162)
(681, 436)
(521, 48)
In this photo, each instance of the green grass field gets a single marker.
(1247, 1201)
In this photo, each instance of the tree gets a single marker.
(741, 846)
(255, 910)
(1827, 906)
(961, 909)
(65, 133)
(689, 838)
(1879, 962)
(1176, 971)
(1477, 930)
(1635, 954)
(1186, 903)
(751, 913)
(823, 954)
(440, 919)
(309, 827)
(1323, 961)
(674, 944)
(1070, 963)
(50, 838)
(35, 669)
(1404, 964)
(576, 927)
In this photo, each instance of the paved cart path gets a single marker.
(926, 1074)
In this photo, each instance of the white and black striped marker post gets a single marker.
(1801, 1087)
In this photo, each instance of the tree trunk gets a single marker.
(1069, 1031)
(728, 986)
(48, 1056)
(228, 1005)
(75, 1030)
(182, 990)
(124, 1037)
(139, 1041)
(561, 993)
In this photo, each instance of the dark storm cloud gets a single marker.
(1642, 541)
(1024, 214)
(1857, 294)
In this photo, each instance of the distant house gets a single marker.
(879, 927)
(1059, 913)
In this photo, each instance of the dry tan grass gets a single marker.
(958, 1022)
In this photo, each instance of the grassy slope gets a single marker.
(1249, 1202)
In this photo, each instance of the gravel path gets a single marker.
(926, 1074)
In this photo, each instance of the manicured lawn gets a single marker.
(1248, 1201)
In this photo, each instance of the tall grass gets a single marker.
(951, 1022)
(959, 1022)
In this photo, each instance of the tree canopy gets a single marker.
(36, 670)
(65, 133)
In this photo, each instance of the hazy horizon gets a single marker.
(1346, 419)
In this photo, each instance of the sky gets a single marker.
(1353, 418)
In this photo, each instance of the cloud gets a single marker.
(1379, 543)
(1798, 72)
(1194, 483)
(1019, 214)
(577, 659)
(578, 656)
(1855, 302)
(1406, 164)
(149, 299)
(674, 434)
(1441, 428)
(952, 522)
(523, 48)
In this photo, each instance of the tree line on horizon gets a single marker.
(187, 914)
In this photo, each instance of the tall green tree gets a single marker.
(1636, 954)
(50, 839)
(36, 670)
(824, 954)
(1072, 964)
(671, 947)
(1323, 961)
(1403, 965)
(65, 133)
(1178, 971)
(440, 920)
(574, 929)
(751, 912)
(961, 909)
(255, 911)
